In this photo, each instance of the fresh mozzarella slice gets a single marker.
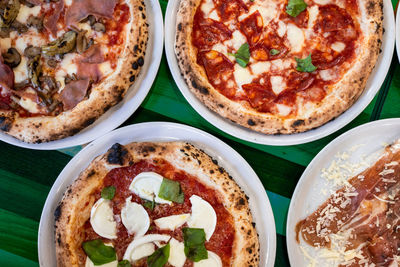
(213, 261)
(142, 251)
(147, 185)
(102, 219)
(177, 255)
(136, 243)
(172, 222)
(135, 218)
(203, 216)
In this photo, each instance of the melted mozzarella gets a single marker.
(267, 9)
(214, 15)
(238, 39)
(68, 65)
(242, 75)
(172, 222)
(137, 242)
(29, 105)
(312, 15)
(177, 255)
(213, 261)
(147, 185)
(203, 216)
(281, 28)
(283, 110)
(142, 251)
(207, 7)
(278, 84)
(338, 46)
(25, 12)
(135, 218)
(260, 67)
(105, 68)
(220, 48)
(21, 71)
(5, 43)
(327, 75)
(322, 2)
(102, 219)
(296, 37)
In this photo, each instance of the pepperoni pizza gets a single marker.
(274, 66)
(155, 204)
(64, 63)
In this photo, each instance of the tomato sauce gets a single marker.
(222, 239)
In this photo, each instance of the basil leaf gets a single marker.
(295, 7)
(242, 56)
(108, 192)
(194, 239)
(274, 52)
(124, 263)
(149, 204)
(160, 257)
(171, 190)
(305, 65)
(98, 252)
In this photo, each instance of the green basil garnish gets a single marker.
(171, 190)
(149, 204)
(160, 257)
(108, 192)
(295, 7)
(274, 52)
(124, 263)
(98, 252)
(242, 56)
(305, 65)
(194, 239)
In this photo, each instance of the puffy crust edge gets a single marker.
(102, 96)
(343, 95)
(183, 156)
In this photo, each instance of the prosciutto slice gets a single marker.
(80, 9)
(73, 93)
(50, 21)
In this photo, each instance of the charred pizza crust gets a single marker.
(74, 210)
(342, 96)
(100, 98)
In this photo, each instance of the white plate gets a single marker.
(374, 83)
(307, 197)
(163, 131)
(116, 115)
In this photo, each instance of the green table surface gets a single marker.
(26, 176)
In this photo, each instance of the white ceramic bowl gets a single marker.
(116, 115)
(374, 83)
(163, 131)
(307, 197)
(398, 32)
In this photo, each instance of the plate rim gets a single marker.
(303, 178)
(58, 187)
(245, 134)
(123, 109)
(398, 31)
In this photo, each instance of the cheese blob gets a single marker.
(102, 219)
(172, 222)
(177, 255)
(136, 250)
(147, 185)
(213, 261)
(135, 218)
(203, 216)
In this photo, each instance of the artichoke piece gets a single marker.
(82, 43)
(35, 71)
(62, 45)
(8, 12)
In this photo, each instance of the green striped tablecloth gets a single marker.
(26, 176)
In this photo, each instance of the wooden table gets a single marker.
(26, 176)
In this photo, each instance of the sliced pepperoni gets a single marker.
(300, 81)
(252, 27)
(259, 96)
(333, 18)
(262, 50)
(229, 9)
(208, 32)
(219, 70)
(300, 20)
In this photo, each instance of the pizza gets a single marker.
(274, 66)
(358, 225)
(155, 204)
(64, 63)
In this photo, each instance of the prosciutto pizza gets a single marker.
(278, 66)
(64, 63)
(358, 225)
(155, 204)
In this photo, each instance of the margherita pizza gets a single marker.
(155, 204)
(275, 66)
(64, 63)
